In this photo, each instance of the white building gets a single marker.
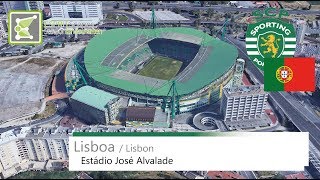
(14, 5)
(318, 77)
(76, 10)
(243, 103)
(3, 27)
(243, 107)
(24, 146)
(22, 5)
(301, 28)
(34, 5)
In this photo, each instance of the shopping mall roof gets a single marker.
(93, 97)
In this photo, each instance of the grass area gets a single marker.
(65, 174)
(116, 17)
(49, 110)
(161, 68)
(46, 63)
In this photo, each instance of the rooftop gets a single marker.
(295, 176)
(93, 97)
(244, 90)
(223, 175)
(141, 113)
(75, 3)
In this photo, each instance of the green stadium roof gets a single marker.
(93, 97)
(221, 58)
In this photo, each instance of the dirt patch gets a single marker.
(42, 62)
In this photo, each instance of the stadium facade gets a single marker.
(113, 59)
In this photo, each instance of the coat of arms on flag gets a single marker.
(289, 74)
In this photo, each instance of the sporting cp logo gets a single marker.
(284, 74)
(270, 38)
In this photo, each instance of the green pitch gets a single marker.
(161, 68)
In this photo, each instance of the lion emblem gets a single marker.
(272, 45)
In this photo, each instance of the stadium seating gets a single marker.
(174, 49)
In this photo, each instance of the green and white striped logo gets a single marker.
(270, 38)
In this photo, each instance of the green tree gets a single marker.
(196, 13)
(210, 13)
(176, 10)
(196, 23)
(213, 30)
(116, 6)
(278, 176)
(131, 6)
(202, 3)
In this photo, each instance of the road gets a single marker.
(190, 6)
(248, 174)
(303, 119)
(16, 48)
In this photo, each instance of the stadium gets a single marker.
(144, 63)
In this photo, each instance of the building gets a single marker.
(3, 27)
(26, 144)
(318, 77)
(22, 148)
(238, 73)
(140, 116)
(76, 10)
(14, 5)
(244, 107)
(301, 29)
(223, 175)
(22, 5)
(95, 106)
(34, 5)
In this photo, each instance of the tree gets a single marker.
(196, 23)
(210, 13)
(213, 30)
(176, 10)
(202, 3)
(196, 13)
(116, 6)
(131, 6)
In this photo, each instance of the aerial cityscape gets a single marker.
(153, 66)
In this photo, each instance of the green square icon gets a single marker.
(25, 27)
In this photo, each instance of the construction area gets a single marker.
(25, 83)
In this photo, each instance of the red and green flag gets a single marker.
(289, 74)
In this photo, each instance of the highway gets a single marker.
(190, 6)
(303, 119)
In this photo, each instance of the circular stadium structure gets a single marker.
(143, 63)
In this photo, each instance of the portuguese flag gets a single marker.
(289, 74)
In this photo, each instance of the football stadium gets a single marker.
(144, 64)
